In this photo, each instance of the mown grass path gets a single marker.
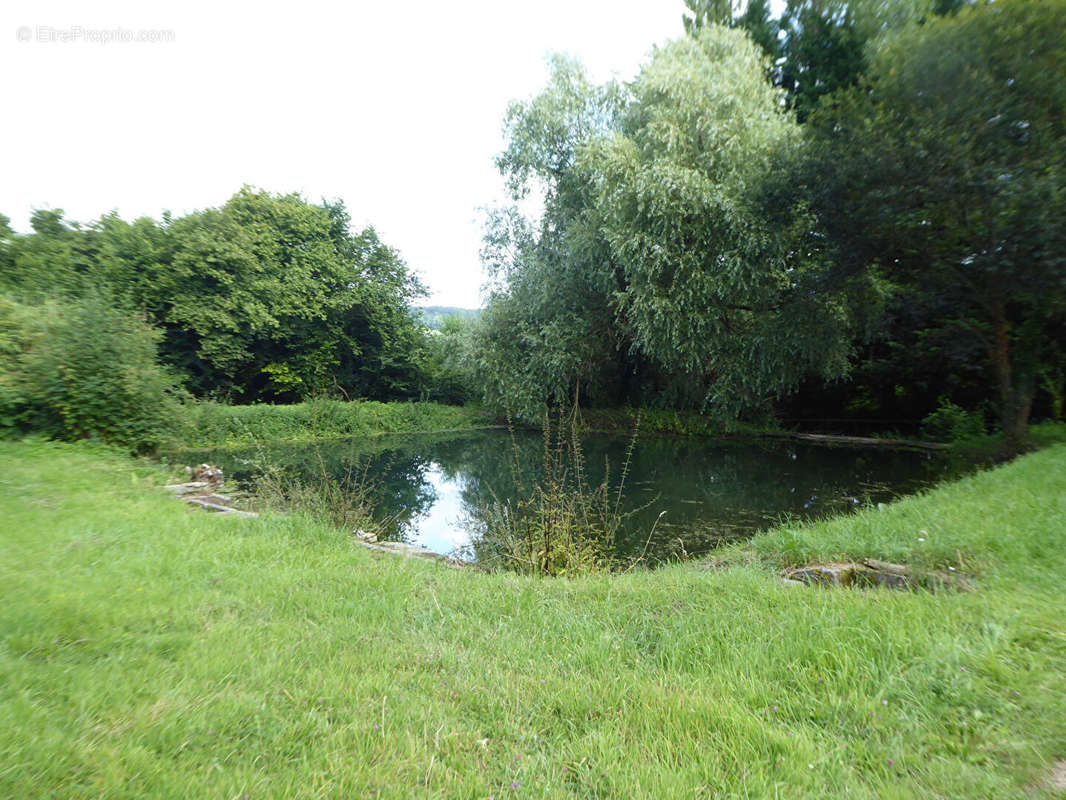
(149, 650)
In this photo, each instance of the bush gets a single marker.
(951, 423)
(83, 369)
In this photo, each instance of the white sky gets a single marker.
(395, 108)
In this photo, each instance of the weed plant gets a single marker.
(346, 503)
(559, 524)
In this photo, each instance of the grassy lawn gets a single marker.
(148, 650)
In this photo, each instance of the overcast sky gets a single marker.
(395, 108)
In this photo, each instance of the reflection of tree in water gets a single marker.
(393, 470)
(710, 491)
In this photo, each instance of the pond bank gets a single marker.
(855, 441)
(440, 491)
(143, 643)
(207, 424)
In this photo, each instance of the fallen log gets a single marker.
(857, 441)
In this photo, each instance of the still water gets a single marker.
(433, 488)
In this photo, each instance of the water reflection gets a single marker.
(433, 489)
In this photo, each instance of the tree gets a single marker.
(761, 26)
(715, 292)
(654, 274)
(708, 12)
(757, 19)
(822, 51)
(48, 262)
(267, 298)
(946, 172)
(7, 257)
(817, 46)
(271, 297)
(548, 331)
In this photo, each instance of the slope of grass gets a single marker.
(147, 650)
(1005, 523)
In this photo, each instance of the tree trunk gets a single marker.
(1015, 402)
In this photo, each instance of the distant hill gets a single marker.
(433, 316)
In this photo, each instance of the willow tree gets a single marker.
(655, 273)
(548, 332)
(715, 289)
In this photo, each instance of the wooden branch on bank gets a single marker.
(857, 441)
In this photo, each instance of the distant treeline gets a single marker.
(266, 298)
(434, 316)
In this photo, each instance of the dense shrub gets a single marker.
(82, 369)
(951, 423)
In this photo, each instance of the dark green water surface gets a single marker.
(433, 487)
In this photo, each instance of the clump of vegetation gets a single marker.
(267, 298)
(445, 363)
(208, 424)
(81, 370)
(951, 423)
(346, 503)
(559, 524)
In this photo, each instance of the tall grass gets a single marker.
(209, 424)
(347, 502)
(559, 524)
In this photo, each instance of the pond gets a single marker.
(433, 489)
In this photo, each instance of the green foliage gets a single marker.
(208, 424)
(436, 317)
(817, 47)
(945, 172)
(655, 275)
(446, 368)
(22, 328)
(950, 423)
(708, 12)
(548, 330)
(559, 525)
(268, 297)
(271, 298)
(84, 369)
(1054, 383)
(715, 291)
(823, 50)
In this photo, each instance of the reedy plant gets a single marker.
(559, 524)
(346, 502)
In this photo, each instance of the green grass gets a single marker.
(148, 650)
(207, 424)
